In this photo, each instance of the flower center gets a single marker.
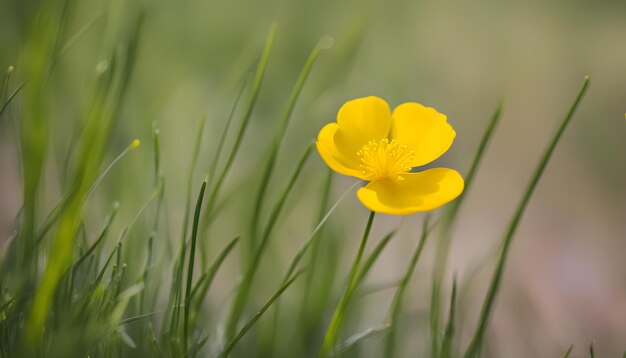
(383, 159)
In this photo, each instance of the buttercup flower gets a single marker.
(371, 143)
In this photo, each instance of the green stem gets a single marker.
(335, 323)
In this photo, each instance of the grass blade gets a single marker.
(476, 345)
(332, 331)
(280, 133)
(192, 254)
(101, 236)
(244, 289)
(312, 238)
(222, 141)
(258, 315)
(258, 80)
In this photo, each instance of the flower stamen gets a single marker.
(385, 160)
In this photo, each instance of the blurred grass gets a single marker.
(109, 282)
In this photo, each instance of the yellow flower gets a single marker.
(371, 143)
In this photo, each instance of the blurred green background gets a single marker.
(565, 281)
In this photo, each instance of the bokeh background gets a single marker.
(565, 282)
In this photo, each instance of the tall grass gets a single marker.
(149, 282)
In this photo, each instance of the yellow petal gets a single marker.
(361, 120)
(332, 156)
(421, 191)
(424, 130)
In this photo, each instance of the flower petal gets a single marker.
(422, 129)
(421, 191)
(346, 165)
(360, 121)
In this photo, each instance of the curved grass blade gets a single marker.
(280, 133)
(244, 290)
(258, 80)
(229, 121)
(330, 336)
(192, 255)
(396, 306)
(255, 318)
(101, 236)
(312, 238)
(476, 345)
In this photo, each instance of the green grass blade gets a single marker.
(330, 337)
(106, 264)
(229, 121)
(101, 236)
(244, 290)
(592, 353)
(192, 255)
(396, 305)
(476, 345)
(233, 342)
(314, 235)
(446, 346)
(256, 87)
(445, 241)
(280, 134)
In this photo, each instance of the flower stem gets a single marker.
(335, 323)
